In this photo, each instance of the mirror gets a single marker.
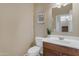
(61, 20)
(64, 23)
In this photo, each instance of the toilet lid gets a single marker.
(34, 49)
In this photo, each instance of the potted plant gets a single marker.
(48, 31)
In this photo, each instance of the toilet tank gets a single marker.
(39, 41)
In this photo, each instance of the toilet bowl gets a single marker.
(34, 51)
(37, 49)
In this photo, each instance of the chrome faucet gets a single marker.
(61, 38)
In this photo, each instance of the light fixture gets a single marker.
(59, 5)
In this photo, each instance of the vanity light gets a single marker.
(59, 5)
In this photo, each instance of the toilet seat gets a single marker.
(34, 51)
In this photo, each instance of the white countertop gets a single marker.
(66, 42)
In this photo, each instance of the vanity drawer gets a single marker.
(63, 49)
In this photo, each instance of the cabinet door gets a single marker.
(49, 52)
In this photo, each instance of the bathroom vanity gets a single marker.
(55, 47)
(57, 50)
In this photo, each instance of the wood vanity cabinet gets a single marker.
(58, 50)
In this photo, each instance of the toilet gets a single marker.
(37, 49)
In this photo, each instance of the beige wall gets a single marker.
(16, 28)
(40, 29)
(76, 18)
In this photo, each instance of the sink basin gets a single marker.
(60, 41)
(63, 41)
(66, 41)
